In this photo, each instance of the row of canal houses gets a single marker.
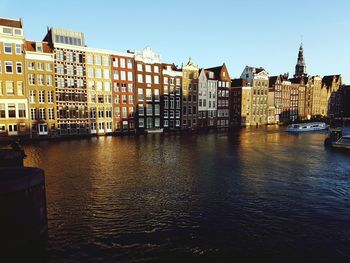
(61, 87)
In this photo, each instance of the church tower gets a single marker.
(300, 68)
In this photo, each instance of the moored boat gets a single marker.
(304, 127)
(337, 139)
(160, 130)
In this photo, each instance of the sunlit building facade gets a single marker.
(171, 108)
(124, 103)
(39, 69)
(149, 90)
(70, 79)
(190, 73)
(99, 91)
(14, 117)
(223, 95)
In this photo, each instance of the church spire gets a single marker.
(300, 68)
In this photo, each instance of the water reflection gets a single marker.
(199, 197)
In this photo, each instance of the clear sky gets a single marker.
(256, 33)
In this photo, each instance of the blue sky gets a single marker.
(256, 33)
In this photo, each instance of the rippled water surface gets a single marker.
(252, 194)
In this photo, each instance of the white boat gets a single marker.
(304, 127)
(160, 130)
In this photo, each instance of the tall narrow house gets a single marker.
(14, 119)
(123, 69)
(171, 108)
(190, 73)
(70, 79)
(40, 83)
(258, 79)
(149, 90)
(223, 95)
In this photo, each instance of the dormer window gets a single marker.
(38, 47)
(7, 30)
(211, 75)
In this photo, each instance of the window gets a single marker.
(105, 60)
(140, 109)
(89, 59)
(115, 62)
(11, 110)
(40, 79)
(116, 74)
(149, 79)
(139, 78)
(130, 76)
(38, 47)
(106, 73)
(32, 96)
(69, 56)
(98, 73)
(69, 69)
(50, 113)
(90, 72)
(50, 96)
(10, 89)
(122, 75)
(100, 113)
(8, 67)
(124, 99)
(108, 113)
(156, 95)
(124, 112)
(42, 114)
(141, 123)
(31, 79)
(148, 68)
(20, 91)
(79, 71)
(166, 90)
(156, 79)
(41, 96)
(156, 69)
(99, 85)
(21, 110)
(139, 67)
(49, 67)
(98, 60)
(148, 94)
(7, 48)
(130, 87)
(18, 32)
(19, 67)
(122, 62)
(40, 66)
(2, 110)
(7, 30)
(156, 109)
(107, 86)
(140, 94)
(149, 109)
(48, 80)
(59, 55)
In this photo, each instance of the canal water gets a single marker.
(248, 195)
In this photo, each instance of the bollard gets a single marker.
(23, 206)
